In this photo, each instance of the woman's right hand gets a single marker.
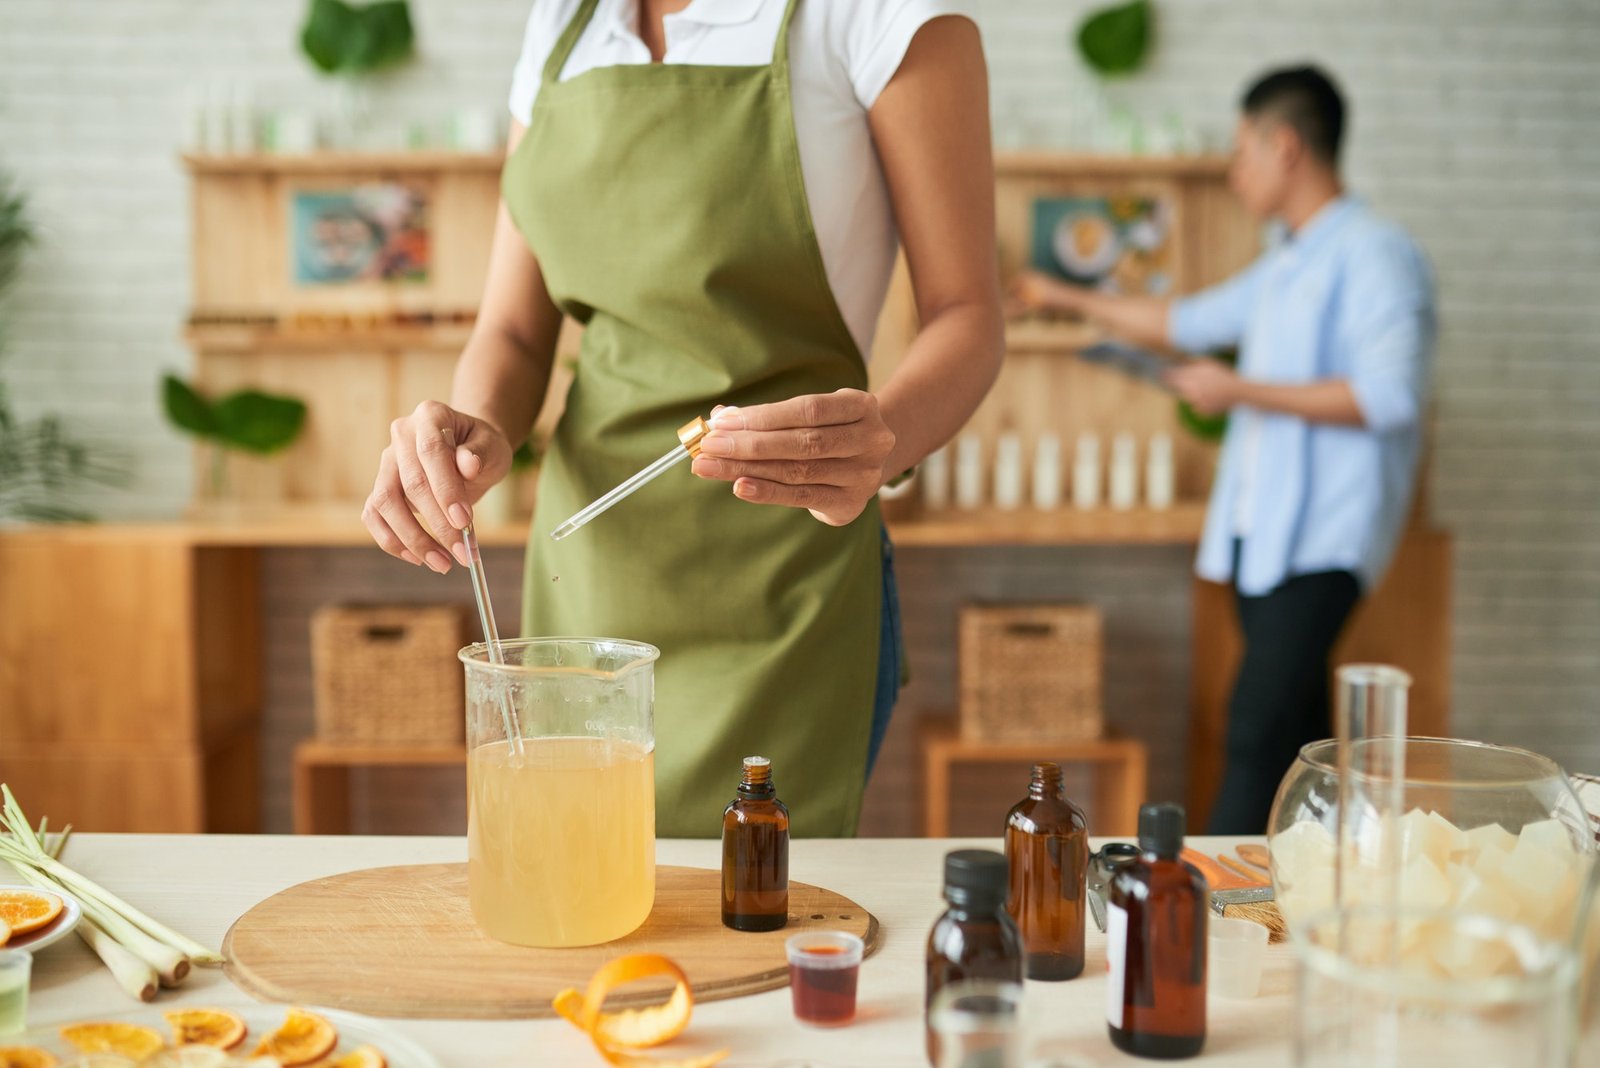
(438, 463)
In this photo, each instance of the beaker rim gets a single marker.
(1322, 755)
(639, 654)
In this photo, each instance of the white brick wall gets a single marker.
(1475, 122)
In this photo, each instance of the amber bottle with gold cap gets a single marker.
(755, 853)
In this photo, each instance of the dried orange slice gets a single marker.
(24, 910)
(361, 1057)
(26, 1057)
(130, 1040)
(613, 1033)
(303, 1037)
(205, 1027)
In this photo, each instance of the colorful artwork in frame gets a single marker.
(1121, 244)
(372, 232)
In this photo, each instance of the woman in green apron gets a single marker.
(723, 226)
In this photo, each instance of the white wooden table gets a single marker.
(201, 884)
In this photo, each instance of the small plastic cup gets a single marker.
(16, 967)
(823, 966)
(1236, 948)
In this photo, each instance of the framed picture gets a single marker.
(372, 232)
(1121, 244)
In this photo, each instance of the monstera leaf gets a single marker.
(342, 38)
(1115, 39)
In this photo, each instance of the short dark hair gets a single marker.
(1306, 99)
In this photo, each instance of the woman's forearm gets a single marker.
(940, 381)
(502, 379)
(1329, 401)
(1138, 318)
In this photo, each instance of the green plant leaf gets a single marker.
(1114, 40)
(341, 38)
(187, 409)
(259, 422)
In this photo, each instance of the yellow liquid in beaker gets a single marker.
(561, 840)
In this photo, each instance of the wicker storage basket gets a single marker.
(388, 674)
(1030, 673)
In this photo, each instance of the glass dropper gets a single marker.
(689, 436)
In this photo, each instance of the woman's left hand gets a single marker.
(824, 452)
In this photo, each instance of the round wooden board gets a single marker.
(401, 942)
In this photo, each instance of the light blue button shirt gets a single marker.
(1349, 297)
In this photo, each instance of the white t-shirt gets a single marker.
(841, 55)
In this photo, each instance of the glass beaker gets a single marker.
(1475, 991)
(561, 819)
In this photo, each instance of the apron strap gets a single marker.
(780, 50)
(568, 41)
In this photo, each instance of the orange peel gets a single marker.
(614, 1034)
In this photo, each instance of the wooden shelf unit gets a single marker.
(322, 777)
(1120, 770)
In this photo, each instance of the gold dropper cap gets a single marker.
(690, 434)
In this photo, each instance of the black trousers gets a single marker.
(1281, 696)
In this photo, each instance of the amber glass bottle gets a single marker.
(1047, 850)
(975, 938)
(1156, 944)
(755, 853)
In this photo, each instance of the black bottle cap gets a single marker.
(1161, 829)
(975, 878)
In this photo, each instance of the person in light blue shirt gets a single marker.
(1334, 327)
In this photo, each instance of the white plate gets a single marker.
(397, 1050)
(55, 931)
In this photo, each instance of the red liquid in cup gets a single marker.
(824, 995)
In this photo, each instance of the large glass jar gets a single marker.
(1482, 829)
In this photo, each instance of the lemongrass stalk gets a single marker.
(137, 977)
(171, 965)
(28, 848)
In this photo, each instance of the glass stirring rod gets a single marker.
(689, 435)
(491, 637)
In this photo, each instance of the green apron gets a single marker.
(666, 207)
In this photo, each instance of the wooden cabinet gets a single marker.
(129, 688)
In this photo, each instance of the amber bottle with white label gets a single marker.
(1156, 944)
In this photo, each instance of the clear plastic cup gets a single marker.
(1236, 948)
(823, 966)
(16, 967)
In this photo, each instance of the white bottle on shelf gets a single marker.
(1047, 473)
(1124, 491)
(969, 472)
(1159, 477)
(242, 119)
(1086, 472)
(935, 478)
(1008, 473)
